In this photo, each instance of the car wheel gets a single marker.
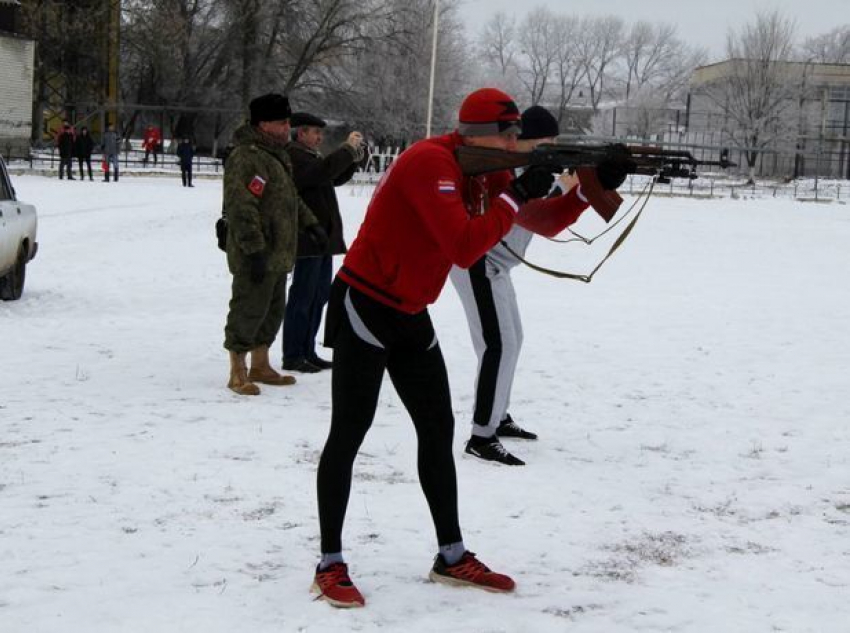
(12, 285)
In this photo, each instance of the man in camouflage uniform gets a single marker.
(264, 214)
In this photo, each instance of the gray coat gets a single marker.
(109, 144)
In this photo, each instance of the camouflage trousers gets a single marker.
(256, 312)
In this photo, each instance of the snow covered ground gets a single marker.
(693, 472)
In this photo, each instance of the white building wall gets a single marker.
(17, 62)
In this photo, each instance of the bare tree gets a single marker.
(498, 42)
(650, 52)
(599, 42)
(829, 48)
(537, 36)
(569, 73)
(758, 93)
(384, 89)
(497, 55)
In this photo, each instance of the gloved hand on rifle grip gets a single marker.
(534, 182)
(318, 236)
(613, 169)
(257, 267)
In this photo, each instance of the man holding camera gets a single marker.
(315, 176)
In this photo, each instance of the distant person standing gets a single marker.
(109, 146)
(83, 147)
(151, 142)
(65, 145)
(186, 153)
(315, 176)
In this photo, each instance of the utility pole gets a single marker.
(433, 68)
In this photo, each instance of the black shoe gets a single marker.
(301, 365)
(321, 363)
(491, 450)
(509, 428)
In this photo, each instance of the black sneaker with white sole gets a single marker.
(491, 450)
(509, 428)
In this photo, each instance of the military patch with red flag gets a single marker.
(257, 186)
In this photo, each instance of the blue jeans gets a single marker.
(311, 283)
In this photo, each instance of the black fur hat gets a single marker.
(270, 107)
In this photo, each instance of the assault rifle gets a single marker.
(583, 157)
(647, 160)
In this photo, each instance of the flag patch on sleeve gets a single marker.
(446, 186)
(257, 186)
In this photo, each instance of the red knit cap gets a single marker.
(488, 111)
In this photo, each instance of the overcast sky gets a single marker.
(703, 23)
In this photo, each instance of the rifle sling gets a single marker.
(584, 278)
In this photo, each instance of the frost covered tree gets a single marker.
(538, 51)
(829, 48)
(599, 41)
(758, 95)
(568, 71)
(497, 51)
(384, 89)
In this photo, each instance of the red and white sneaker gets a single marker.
(470, 572)
(335, 587)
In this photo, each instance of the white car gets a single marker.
(18, 225)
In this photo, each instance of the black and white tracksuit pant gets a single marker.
(368, 338)
(486, 291)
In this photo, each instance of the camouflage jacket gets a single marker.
(264, 211)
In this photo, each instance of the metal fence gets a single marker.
(130, 161)
(378, 159)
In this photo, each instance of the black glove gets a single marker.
(257, 267)
(221, 233)
(612, 170)
(534, 182)
(317, 235)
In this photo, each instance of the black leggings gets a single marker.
(406, 346)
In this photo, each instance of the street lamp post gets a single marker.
(433, 69)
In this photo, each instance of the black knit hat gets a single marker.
(270, 107)
(538, 122)
(304, 118)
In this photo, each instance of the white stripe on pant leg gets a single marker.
(357, 324)
(510, 332)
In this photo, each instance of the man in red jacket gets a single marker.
(424, 217)
(151, 143)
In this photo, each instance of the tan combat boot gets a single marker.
(262, 372)
(239, 382)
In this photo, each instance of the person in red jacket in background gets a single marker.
(424, 217)
(151, 142)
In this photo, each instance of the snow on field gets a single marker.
(693, 472)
